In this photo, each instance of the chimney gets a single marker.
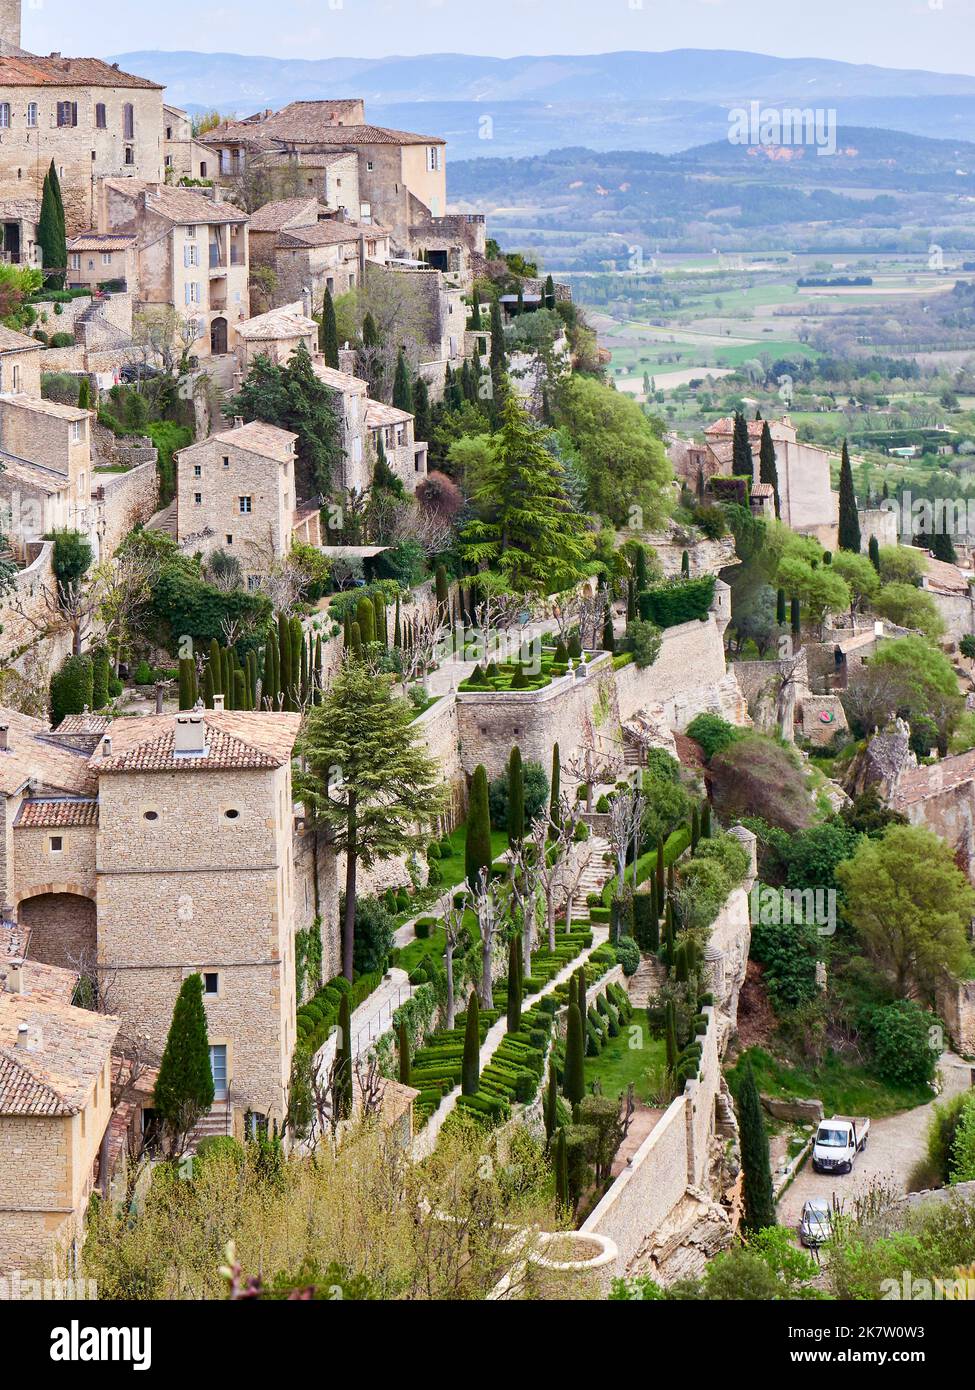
(13, 980)
(4, 737)
(160, 688)
(21, 1035)
(191, 733)
(238, 422)
(306, 301)
(218, 704)
(107, 746)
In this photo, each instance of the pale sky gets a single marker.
(934, 34)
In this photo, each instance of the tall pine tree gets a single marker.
(477, 844)
(849, 529)
(756, 1167)
(328, 334)
(767, 470)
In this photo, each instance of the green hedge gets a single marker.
(675, 601)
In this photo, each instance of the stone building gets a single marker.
(195, 873)
(192, 257)
(807, 503)
(89, 117)
(309, 250)
(55, 1106)
(20, 364)
(99, 258)
(184, 157)
(18, 231)
(235, 492)
(46, 479)
(401, 175)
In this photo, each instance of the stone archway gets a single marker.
(218, 337)
(62, 925)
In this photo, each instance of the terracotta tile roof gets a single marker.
(944, 578)
(338, 381)
(11, 341)
(29, 755)
(289, 321)
(379, 414)
(64, 1056)
(34, 475)
(38, 813)
(256, 437)
(51, 981)
(33, 71)
(82, 724)
(312, 127)
(763, 490)
(248, 740)
(14, 940)
(40, 406)
(102, 241)
(779, 429)
(944, 776)
(329, 232)
(182, 206)
(273, 216)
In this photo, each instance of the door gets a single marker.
(218, 337)
(218, 1065)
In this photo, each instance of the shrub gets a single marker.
(755, 771)
(902, 1051)
(433, 850)
(712, 733)
(602, 805)
(373, 935)
(628, 955)
(220, 1146)
(788, 952)
(71, 688)
(675, 601)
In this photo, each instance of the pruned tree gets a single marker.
(590, 767)
(486, 906)
(549, 843)
(453, 922)
(523, 882)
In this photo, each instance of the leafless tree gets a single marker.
(371, 1084)
(453, 920)
(125, 584)
(625, 819)
(590, 767)
(523, 880)
(431, 530)
(550, 843)
(485, 901)
(577, 861)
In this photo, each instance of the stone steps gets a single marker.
(164, 520)
(649, 976)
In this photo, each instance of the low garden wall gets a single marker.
(956, 1005)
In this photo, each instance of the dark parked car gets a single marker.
(138, 371)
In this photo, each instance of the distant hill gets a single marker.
(660, 101)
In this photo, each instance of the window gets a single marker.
(203, 170)
(75, 260)
(101, 120)
(57, 844)
(244, 504)
(231, 813)
(230, 540)
(16, 375)
(226, 461)
(198, 499)
(32, 113)
(433, 158)
(150, 815)
(129, 155)
(75, 431)
(4, 115)
(67, 113)
(128, 121)
(191, 254)
(197, 470)
(191, 292)
(369, 165)
(218, 1066)
(191, 231)
(211, 982)
(106, 258)
(168, 161)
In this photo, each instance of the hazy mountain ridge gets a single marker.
(662, 101)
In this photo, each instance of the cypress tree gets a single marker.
(563, 1201)
(685, 565)
(780, 614)
(516, 797)
(554, 810)
(873, 550)
(84, 394)
(767, 470)
(641, 568)
(185, 683)
(296, 637)
(51, 237)
(609, 637)
(630, 600)
(470, 1075)
(581, 993)
(184, 1087)
(365, 616)
(756, 1167)
(355, 641)
(343, 1060)
(402, 389)
(208, 686)
(695, 828)
(942, 547)
(849, 528)
(252, 679)
(498, 359)
(216, 674)
(550, 1112)
(795, 617)
(474, 322)
(440, 585)
(477, 843)
(317, 672)
(379, 617)
(284, 662)
(404, 1053)
(226, 678)
(742, 462)
(422, 423)
(574, 1076)
(670, 1035)
(240, 689)
(514, 983)
(706, 821)
(328, 335)
(549, 292)
(269, 689)
(397, 628)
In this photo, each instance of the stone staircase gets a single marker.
(217, 1122)
(647, 980)
(597, 872)
(164, 520)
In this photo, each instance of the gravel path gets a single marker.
(893, 1147)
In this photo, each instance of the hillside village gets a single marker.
(410, 752)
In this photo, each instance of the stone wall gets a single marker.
(955, 1001)
(127, 499)
(688, 677)
(25, 613)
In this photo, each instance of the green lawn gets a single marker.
(618, 1064)
(843, 1088)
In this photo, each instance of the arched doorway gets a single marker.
(62, 929)
(218, 337)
